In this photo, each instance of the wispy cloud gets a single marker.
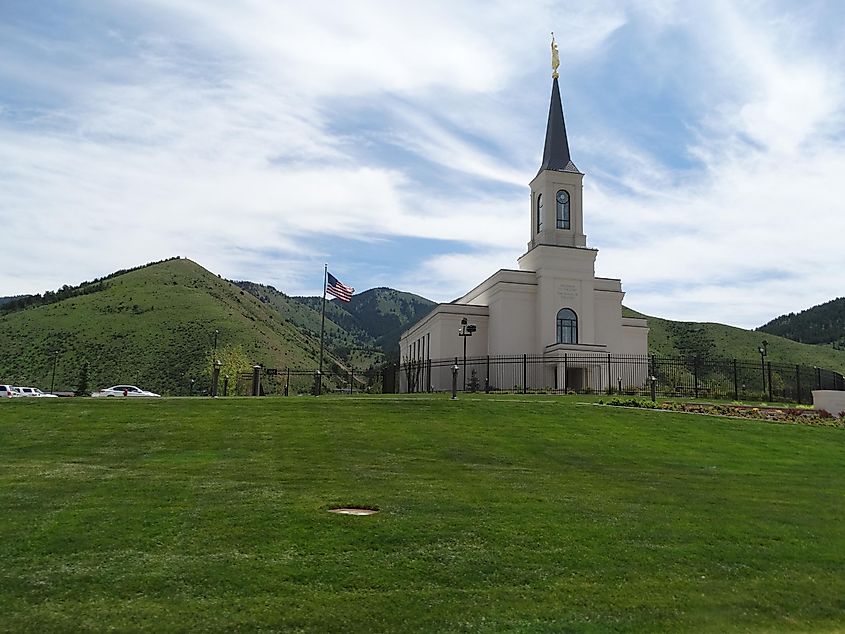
(255, 137)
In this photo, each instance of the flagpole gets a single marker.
(322, 330)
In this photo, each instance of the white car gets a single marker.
(125, 390)
(34, 392)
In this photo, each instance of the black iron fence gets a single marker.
(292, 382)
(612, 374)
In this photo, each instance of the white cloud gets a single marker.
(447, 277)
(755, 230)
(230, 132)
(789, 92)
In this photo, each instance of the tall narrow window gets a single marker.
(567, 326)
(539, 213)
(562, 200)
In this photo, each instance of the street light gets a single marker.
(215, 377)
(215, 366)
(465, 331)
(763, 350)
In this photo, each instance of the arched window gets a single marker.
(539, 213)
(562, 200)
(567, 326)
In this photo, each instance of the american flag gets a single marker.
(337, 288)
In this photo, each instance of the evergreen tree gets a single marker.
(82, 382)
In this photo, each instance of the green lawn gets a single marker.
(518, 514)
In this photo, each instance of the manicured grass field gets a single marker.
(516, 514)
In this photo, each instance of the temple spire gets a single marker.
(556, 151)
(557, 218)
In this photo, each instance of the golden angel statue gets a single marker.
(555, 58)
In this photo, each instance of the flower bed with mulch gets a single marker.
(790, 415)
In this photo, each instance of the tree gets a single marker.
(411, 373)
(82, 382)
(234, 361)
(473, 381)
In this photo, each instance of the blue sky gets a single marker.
(395, 141)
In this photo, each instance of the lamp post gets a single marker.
(215, 367)
(763, 350)
(55, 361)
(215, 377)
(465, 331)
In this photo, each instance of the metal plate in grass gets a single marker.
(349, 510)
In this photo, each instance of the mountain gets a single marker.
(343, 335)
(822, 324)
(365, 330)
(710, 340)
(154, 327)
(381, 313)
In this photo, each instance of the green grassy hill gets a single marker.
(822, 324)
(344, 336)
(381, 313)
(497, 514)
(364, 331)
(709, 340)
(152, 327)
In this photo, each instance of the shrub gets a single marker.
(632, 402)
(473, 381)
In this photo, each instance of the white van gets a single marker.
(7, 391)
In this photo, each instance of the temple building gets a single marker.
(553, 307)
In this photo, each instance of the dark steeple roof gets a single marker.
(556, 152)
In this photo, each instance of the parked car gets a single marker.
(34, 392)
(125, 390)
(7, 391)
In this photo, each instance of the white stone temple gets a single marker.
(552, 306)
